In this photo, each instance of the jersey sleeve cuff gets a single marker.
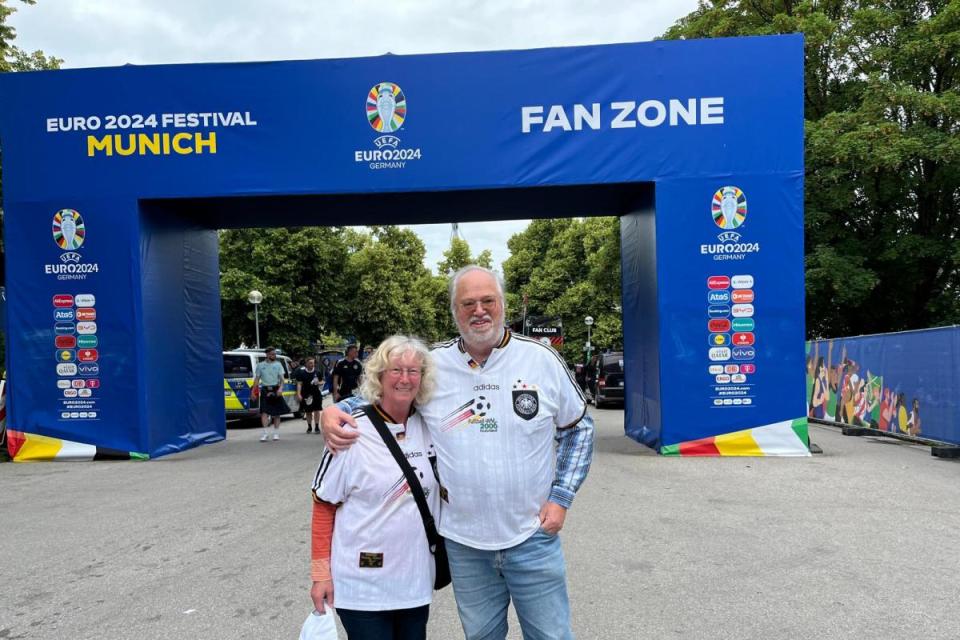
(561, 496)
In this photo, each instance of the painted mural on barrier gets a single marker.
(906, 383)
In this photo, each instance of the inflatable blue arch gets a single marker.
(116, 180)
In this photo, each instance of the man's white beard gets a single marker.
(481, 339)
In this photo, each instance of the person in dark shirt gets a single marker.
(310, 393)
(346, 375)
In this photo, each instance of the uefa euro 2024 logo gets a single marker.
(386, 107)
(68, 229)
(386, 112)
(729, 207)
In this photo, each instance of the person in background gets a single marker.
(346, 375)
(268, 385)
(310, 393)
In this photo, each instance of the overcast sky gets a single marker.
(98, 33)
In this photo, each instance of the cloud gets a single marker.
(116, 32)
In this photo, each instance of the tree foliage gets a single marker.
(569, 269)
(882, 108)
(321, 281)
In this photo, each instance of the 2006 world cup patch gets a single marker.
(369, 560)
(526, 400)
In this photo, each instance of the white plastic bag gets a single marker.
(319, 626)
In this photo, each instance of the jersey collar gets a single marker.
(388, 418)
(473, 364)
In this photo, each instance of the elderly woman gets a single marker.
(378, 565)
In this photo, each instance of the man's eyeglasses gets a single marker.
(486, 303)
(412, 372)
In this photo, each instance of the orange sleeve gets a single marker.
(324, 514)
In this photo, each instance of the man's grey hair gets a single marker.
(455, 279)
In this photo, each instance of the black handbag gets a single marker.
(437, 544)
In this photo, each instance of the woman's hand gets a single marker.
(322, 591)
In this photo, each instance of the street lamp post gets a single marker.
(255, 298)
(589, 322)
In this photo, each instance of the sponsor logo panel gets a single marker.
(64, 328)
(714, 369)
(718, 282)
(65, 355)
(66, 369)
(743, 339)
(718, 297)
(86, 328)
(744, 353)
(731, 368)
(65, 342)
(86, 341)
(742, 324)
(64, 315)
(718, 311)
(748, 368)
(86, 313)
(87, 370)
(87, 355)
(742, 311)
(63, 300)
(718, 325)
(718, 339)
(737, 282)
(63, 384)
(740, 295)
(718, 354)
(86, 300)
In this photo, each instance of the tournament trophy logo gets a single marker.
(729, 207)
(69, 234)
(729, 211)
(386, 107)
(386, 110)
(68, 229)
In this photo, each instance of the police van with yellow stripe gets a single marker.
(239, 367)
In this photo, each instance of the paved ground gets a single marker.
(861, 542)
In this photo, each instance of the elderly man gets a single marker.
(514, 443)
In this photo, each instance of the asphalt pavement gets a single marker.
(860, 542)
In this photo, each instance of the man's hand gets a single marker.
(552, 516)
(336, 436)
(322, 592)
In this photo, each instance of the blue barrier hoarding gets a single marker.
(906, 383)
(116, 179)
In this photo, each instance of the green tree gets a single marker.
(569, 269)
(458, 255)
(882, 104)
(391, 287)
(300, 273)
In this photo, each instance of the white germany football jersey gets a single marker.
(379, 557)
(493, 428)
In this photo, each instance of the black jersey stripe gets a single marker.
(321, 470)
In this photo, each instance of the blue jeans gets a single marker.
(395, 624)
(533, 574)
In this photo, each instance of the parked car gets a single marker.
(239, 366)
(609, 380)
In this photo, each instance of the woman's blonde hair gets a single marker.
(377, 362)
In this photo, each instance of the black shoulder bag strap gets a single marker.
(429, 524)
